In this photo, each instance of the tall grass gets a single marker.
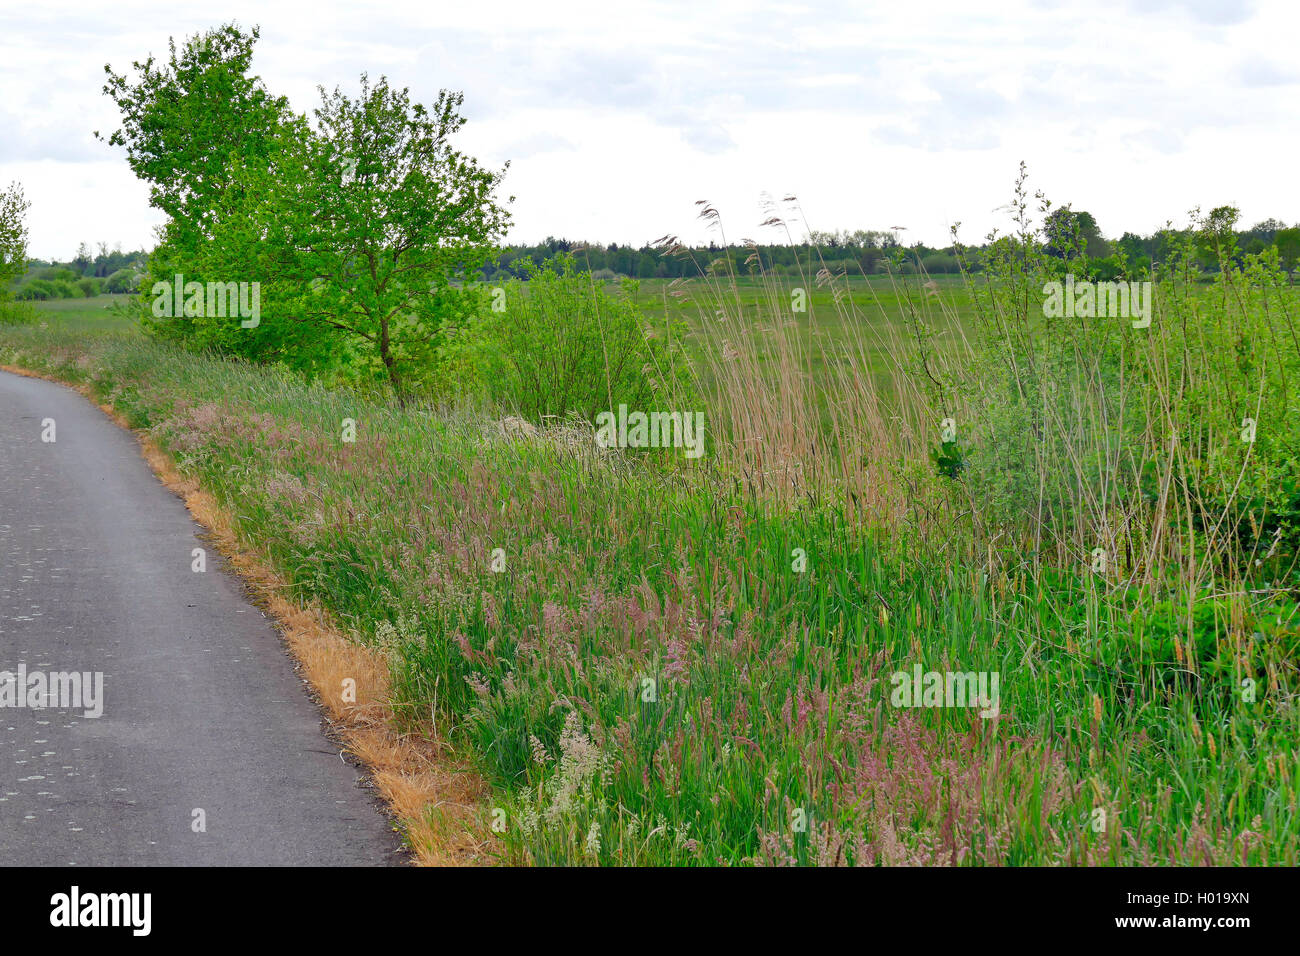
(689, 662)
(1090, 445)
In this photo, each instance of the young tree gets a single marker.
(1216, 235)
(382, 224)
(188, 124)
(82, 260)
(184, 121)
(13, 236)
(361, 233)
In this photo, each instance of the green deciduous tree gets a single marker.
(362, 229)
(184, 121)
(189, 125)
(394, 223)
(13, 236)
(1069, 233)
(1288, 246)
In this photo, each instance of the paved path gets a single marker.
(201, 705)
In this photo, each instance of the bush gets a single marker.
(565, 345)
(1068, 419)
(940, 264)
(123, 280)
(16, 313)
(88, 287)
(36, 289)
(1106, 269)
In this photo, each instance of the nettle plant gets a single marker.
(1036, 385)
(1165, 444)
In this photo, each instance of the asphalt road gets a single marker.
(202, 709)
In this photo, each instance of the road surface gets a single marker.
(208, 749)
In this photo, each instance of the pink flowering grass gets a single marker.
(648, 679)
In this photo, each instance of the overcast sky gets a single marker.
(617, 116)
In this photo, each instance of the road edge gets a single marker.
(436, 800)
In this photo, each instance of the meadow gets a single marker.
(659, 661)
(865, 315)
(101, 313)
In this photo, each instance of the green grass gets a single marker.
(767, 732)
(654, 678)
(101, 313)
(845, 313)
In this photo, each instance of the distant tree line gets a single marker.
(856, 252)
(85, 275)
(1067, 233)
(870, 252)
(861, 252)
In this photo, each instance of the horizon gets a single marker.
(1140, 133)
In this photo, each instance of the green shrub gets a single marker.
(564, 345)
(121, 281)
(16, 313)
(940, 264)
(35, 290)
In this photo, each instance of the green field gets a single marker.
(101, 313)
(888, 545)
(857, 313)
(692, 663)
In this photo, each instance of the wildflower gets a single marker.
(681, 835)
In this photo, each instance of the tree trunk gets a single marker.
(386, 355)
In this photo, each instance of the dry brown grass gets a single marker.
(438, 800)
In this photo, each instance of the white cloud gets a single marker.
(616, 117)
